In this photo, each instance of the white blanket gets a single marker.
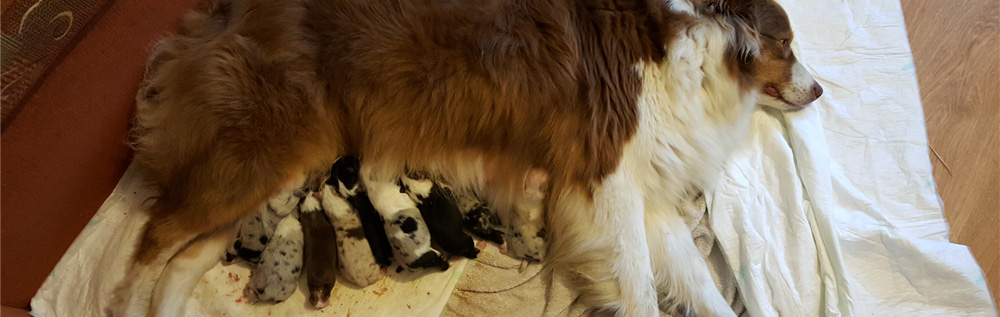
(83, 281)
(833, 210)
(827, 211)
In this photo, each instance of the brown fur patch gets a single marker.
(777, 59)
(549, 85)
(235, 117)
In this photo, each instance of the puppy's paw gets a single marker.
(430, 259)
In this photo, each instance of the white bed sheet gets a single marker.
(833, 210)
(828, 211)
(82, 282)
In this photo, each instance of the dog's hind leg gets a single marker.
(159, 241)
(601, 241)
(202, 198)
(185, 270)
(683, 281)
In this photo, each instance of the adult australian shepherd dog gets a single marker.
(628, 107)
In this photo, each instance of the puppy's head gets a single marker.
(319, 295)
(344, 176)
(785, 83)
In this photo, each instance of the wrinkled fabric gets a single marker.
(83, 282)
(833, 210)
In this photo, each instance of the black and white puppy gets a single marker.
(320, 247)
(274, 278)
(357, 263)
(477, 217)
(443, 218)
(346, 182)
(255, 231)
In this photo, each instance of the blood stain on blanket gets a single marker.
(233, 278)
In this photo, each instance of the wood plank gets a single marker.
(956, 51)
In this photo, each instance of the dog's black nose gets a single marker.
(817, 90)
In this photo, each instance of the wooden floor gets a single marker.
(956, 50)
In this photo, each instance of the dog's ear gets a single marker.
(746, 38)
(741, 15)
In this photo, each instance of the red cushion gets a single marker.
(65, 151)
(6, 311)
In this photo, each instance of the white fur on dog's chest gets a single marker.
(691, 115)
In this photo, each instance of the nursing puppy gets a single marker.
(402, 234)
(357, 263)
(320, 245)
(478, 219)
(626, 106)
(346, 182)
(255, 231)
(275, 277)
(444, 220)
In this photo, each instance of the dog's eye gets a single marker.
(784, 42)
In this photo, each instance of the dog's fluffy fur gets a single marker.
(627, 106)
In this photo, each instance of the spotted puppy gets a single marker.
(444, 220)
(274, 278)
(525, 232)
(357, 263)
(477, 218)
(255, 231)
(346, 182)
(320, 247)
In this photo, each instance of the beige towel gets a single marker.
(491, 285)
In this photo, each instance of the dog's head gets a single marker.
(785, 83)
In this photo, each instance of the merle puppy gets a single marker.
(274, 278)
(357, 263)
(255, 231)
(478, 218)
(345, 181)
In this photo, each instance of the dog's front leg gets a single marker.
(683, 280)
(405, 228)
(601, 240)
